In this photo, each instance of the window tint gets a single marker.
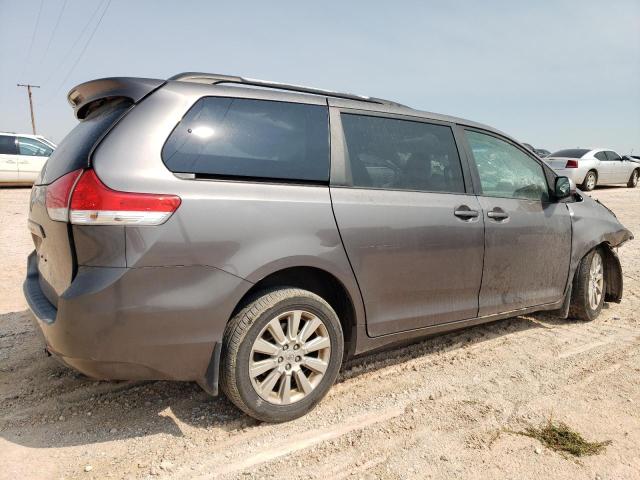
(401, 155)
(251, 138)
(7, 145)
(612, 156)
(601, 156)
(32, 147)
(570, 153)
(506, 171)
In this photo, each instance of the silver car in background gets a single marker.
(591, 167)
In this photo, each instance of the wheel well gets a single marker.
(612, 273)
(318, 281)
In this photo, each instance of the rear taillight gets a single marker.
(59, 194)
(571, 164)
(91, 202)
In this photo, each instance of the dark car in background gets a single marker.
(542, 152)
(253, 234)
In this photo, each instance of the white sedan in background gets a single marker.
(22, 157)
(591, 167)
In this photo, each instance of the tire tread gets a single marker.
(239, 327)
(579, 308)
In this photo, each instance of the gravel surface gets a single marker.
(437, 409)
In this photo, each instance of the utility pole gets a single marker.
(29, 87)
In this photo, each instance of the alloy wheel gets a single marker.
(591, 181)
(596, 281)
(289, 357)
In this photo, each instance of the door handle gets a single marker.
(10, 161)
(465, 213)
(497, 214)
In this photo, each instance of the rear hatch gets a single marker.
(53, 239)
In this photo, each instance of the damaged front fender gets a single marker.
(595, 225)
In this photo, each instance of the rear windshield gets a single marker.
(260, 139)
(570, 153)
(73, 151)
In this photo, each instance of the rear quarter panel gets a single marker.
(247, 229)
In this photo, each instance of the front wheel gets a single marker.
(633, 180)
(590, 181)
(588, 292)
(281, 353)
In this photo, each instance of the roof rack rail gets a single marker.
(214, 78)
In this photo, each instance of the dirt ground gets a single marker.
(431, 410)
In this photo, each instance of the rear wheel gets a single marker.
(587, 297)
(590, 181)
(281, 354)
(633, 180)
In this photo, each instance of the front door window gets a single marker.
(505, 171)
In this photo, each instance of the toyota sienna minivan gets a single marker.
(252, 235)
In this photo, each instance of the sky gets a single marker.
(556, 74)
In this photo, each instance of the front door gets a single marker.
(413, 235)
(527, 234)
(8, 159)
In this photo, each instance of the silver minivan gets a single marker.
(252, 235)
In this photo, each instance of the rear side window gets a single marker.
(392, 154)
(73, 151)
(601, 156)
(8, 145)
(234, 137)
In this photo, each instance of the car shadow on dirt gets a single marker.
(44, 404)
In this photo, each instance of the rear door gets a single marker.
(527, 236)
(606, 168)
(619, 172)
(32, 155)
(8, 159)
(413, 234)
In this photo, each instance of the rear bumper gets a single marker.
(152, 323)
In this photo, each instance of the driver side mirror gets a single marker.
(564, 188)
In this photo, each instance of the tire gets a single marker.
(242, 348)
(583, 306)
(633, 180)
(590, 181)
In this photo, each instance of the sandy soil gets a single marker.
(431, 410)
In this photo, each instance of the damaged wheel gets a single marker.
(588, 293)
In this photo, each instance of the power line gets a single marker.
(55, 29)
(33, 37)
(86, 45)
(75, 43)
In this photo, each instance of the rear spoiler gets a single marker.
(87, 96)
